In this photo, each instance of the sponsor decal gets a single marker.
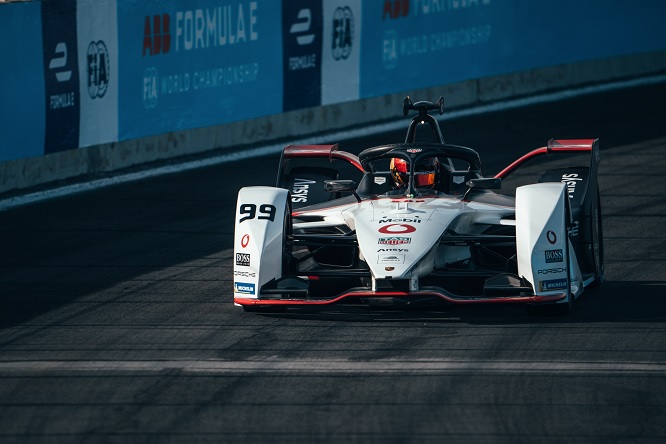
(394, 9)
(97, 69)
(390, 50)
(244, 288)
(245, 240)
(398, 9)
(397, 229)
(554, 256)
(458, 179)
(569, 180)
(392, 250)
(245, 274)
(343, 33)
(553, 284)
(391, 259)
(389, 221)
(156, 35)
(414, 150)
(195, 29)
(300, 189)
(380, 180)
(243, 259)
(573, 230)
(552, 270)
(151, 80)
(551, 236)
(395, 240)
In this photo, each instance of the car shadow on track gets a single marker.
(614, 301)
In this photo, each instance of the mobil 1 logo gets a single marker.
(554, 256)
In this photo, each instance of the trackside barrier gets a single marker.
(93, 86)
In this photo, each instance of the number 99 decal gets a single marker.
(249, 211)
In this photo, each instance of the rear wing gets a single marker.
(575, 146)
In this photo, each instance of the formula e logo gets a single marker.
(60, 61)
(397, 229)
(243, 259)
(150, 82)
(156, 35)
(242, 287)
(98, 69)
(343, 33)
(303, 25)
(554, 256)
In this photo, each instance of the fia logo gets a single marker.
(390, 50)
(98, 69)
(343, 33)
(60, 61)
(150, 82)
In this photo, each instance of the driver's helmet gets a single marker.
(425, 172)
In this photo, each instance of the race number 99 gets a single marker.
(249, 211)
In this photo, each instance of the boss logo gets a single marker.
(554, 256)
(243, 259)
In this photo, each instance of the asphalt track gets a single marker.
(116, 321)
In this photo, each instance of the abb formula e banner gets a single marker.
(191, 64)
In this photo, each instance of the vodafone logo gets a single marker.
(397, 229)
(245, 240)
(550, 235)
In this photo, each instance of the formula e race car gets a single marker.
(416, 223)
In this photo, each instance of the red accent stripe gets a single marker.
(330, 151)
(369, 294)
(554, 146)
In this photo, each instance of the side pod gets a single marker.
(258, 238)
(545, 256)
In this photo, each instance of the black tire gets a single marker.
(598, 237)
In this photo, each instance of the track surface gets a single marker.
(116, 321)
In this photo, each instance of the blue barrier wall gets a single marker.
(81, 73)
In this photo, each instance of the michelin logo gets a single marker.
(244, 288)
(553, 284)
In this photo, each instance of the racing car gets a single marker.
(416, 223)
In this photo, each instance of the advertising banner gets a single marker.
(411, 44)
(61, 75)
(22, 95)
(341, 51)
(301, 53)
(98, 71)
(191, 64)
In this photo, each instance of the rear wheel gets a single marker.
(598, 246)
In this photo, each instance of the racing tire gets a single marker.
(598, 236)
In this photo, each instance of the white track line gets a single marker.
(324, 366)
(16, 201)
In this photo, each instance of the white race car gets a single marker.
(421, 225)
